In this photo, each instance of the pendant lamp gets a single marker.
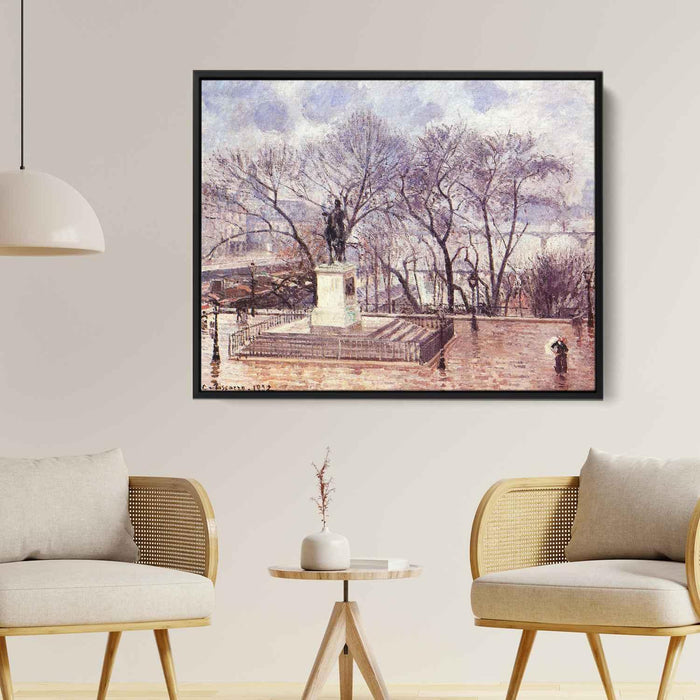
(39, 213)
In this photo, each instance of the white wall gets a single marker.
(96, 352)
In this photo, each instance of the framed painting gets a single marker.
(398, 234)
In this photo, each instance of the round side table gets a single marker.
(345, 637)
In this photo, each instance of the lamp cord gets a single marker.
(21, 87)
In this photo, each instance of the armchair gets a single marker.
(170, 587)
(522, 579)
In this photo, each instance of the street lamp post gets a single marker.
(441, 322)
(252, 288)
(473, 282)
(588, 277)
(215, 354)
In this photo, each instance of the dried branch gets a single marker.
(326, 489)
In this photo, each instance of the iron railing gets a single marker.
(264, 321)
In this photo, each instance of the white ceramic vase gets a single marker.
(325, 551)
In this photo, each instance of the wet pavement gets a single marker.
(503, 355)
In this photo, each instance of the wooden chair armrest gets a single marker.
(692, 558)
(174, 524)
(522, 523)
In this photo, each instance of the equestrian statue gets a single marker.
(335, 233)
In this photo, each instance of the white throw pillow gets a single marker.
(634, 507)
(66, 508)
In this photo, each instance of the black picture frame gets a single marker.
(595, 76)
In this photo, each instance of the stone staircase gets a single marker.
(401, 330)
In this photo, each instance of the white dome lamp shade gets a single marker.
(41, 214)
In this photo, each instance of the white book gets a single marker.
(391, 564)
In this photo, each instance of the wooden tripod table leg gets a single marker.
(345, 664)
(332, 644)
(357, 643)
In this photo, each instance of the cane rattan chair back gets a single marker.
(174, 527)
(523, 523)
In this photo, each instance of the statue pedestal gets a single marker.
(337, 309)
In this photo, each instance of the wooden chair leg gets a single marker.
(345, 664)
(516, 678)
(675, 647)
(5, 678)
(108, 663)
(602, 664)
(166, 660)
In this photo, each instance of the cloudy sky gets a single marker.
(247, 114)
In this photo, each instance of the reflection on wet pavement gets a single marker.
(503, 355)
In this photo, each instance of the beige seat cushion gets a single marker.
(619, 592)
(75, 592)
(634, 507)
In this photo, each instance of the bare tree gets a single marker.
(263, 184)
(356, 163)
(432, 196)
(451, 203)
(296, 276)
(554, 283)
(397, 256)
(505, 175)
